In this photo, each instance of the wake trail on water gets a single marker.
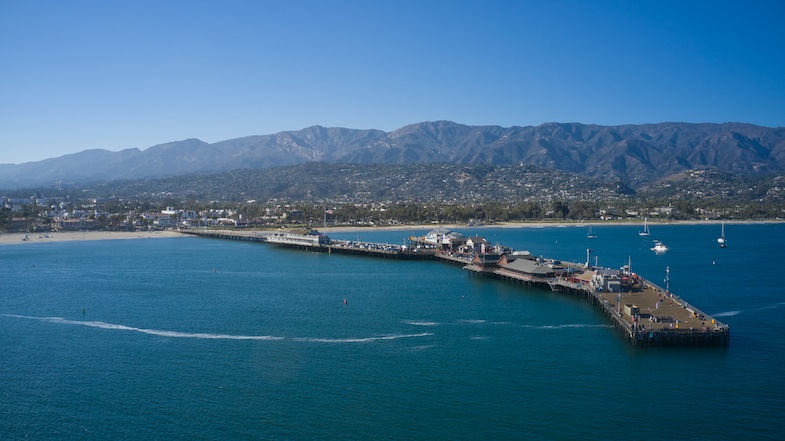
(420, 323)
(763, 308)
(198, 335)
(565, 326)
(540, 327)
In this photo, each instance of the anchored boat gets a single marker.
(721, 239)
(645, 231)
(659, 247)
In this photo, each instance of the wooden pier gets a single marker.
(649, 316)
(248, 236)
(379, 250)
(646, 316)
(367, 249)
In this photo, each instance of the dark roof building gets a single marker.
(533, 268)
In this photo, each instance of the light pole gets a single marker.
(667, 280)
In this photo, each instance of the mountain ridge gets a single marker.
(632, 154)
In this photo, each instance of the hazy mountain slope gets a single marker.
(633, 154)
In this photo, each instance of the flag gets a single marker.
(328, 210)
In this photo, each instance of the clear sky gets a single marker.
(78, 75)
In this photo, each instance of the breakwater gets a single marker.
(644, 313)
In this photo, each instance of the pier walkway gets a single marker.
(646, 316)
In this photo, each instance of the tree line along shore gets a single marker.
(39, 213)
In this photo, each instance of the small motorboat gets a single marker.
(659, 247)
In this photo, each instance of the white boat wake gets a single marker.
(419, 323)
(764, 308)
(566, 326)
(199, 335)
(540, 327)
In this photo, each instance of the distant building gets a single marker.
(303, 238)
(487, 260)
(478, 244)
(664, 210)
(80, 224)
(533, 268)
(442, 238)
(20, 224)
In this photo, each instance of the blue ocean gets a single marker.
(202, 339)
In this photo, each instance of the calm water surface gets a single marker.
(191, 338)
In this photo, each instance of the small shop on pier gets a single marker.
(533, 268)
(487, 261)
(631, 310)
(478, 244)
(611, 280)
(440, 238)
(308, 238)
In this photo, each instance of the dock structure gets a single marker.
(647, 315)
(644, 313)
(311, 240)
(249, 236)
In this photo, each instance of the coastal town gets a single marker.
(37, 214)
(380, 195)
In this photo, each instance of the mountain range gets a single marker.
(634, 155)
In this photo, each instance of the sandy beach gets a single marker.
(19, 238)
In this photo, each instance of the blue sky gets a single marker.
(78, 75)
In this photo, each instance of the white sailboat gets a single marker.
(721, 239)
(645, 231)
(590, 235)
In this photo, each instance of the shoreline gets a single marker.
(70, 236)
(535, 224)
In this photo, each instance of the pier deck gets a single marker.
(648, 316)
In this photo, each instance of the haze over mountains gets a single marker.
(632, 154)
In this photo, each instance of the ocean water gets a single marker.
(190, 338)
